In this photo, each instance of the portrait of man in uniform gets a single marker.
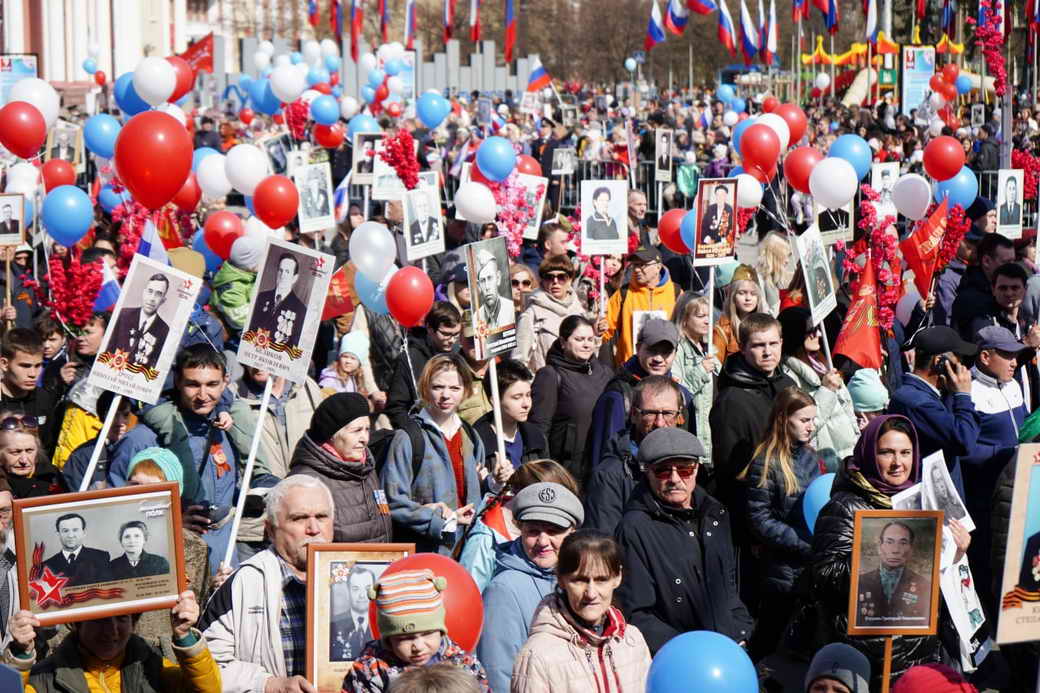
(892, 594)
(279, 310)
(141, 331)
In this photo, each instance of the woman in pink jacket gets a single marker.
(579, 642)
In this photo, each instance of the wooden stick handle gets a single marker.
(886, 667)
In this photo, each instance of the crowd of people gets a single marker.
(653, 481)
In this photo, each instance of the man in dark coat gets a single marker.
(81, 564)
(279, 310)
(679, 564)
(141, 332)
(351, 629)
(892, 595)
(975, 293)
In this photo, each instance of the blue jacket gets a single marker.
(479, 555)
(949, 424)
(407, 493)
(509, 604)
(946, 291)
(1000, 411)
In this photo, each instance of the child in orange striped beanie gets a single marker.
(411, 619)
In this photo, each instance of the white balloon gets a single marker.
(547, 93)
(395, 84)
(288, 82)
(936, 100)
(912, 194)
(283, 59)
(833, 182)
(245, 166)
(475, 202)
(309, 95)
(779, 126)
(154, 80)
(40, 94)
(303, 68)
(94, 50)
(384, 52)
(348, 107)
(173, 110)
(20, 187)
(730, 118)
(396, 49)
(261, 60)
(211, 177)
(266, 47)
(372, 249)
(749, 191)
(823, 80)
(255, 227)
(329, 47)
(368, 62)
(311, 51)
(936, 126)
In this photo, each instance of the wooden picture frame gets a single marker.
(12, 219)
(1020, 576)
(329, 570)
(912, 608)
(157, 510)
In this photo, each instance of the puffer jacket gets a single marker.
(687, 369)
(539, 325)
(776, 519)
(354, 487)
(837, 429)
(562, 657)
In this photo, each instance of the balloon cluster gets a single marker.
(405, 293)
(90, 65)
(384, 81)
(735, 106)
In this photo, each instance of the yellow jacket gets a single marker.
(78, 426)
(637, 298)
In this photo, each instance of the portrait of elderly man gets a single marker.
(140, 331)
(494, 309)
(279, 310)
(893, 595)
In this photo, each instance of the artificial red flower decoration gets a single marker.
(74, 286)
(399, 152)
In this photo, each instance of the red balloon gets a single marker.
(760, 146)
(476, 175)
(323, 87)
(943, 158)
(528, 164)
(328, 136)
(770, 104)
(798, 164)
(334, 78)
(796, 120)
(185, 77)
(950, 72)
(409, 296)
(462, 605)
(99, 78)
(246, 115)
(668, 230)
(743, 116)
(762, 175)
(220, 231)
(394, 110)
(153, 157)
(276, 200)
(58, 172)
(187, 198)
(22, 129)
(279, 118)
(382, 91)
(936, 82)
(949, 91)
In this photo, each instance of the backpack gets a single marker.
(379, 444)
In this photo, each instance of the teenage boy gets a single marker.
(21, 361)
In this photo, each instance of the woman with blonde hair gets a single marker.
(743, 297)
(774, 254)
(693, 367)
(784, 464)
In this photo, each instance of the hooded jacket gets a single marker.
(280, 439)
(538, 326)
(510, 601)
(562, 657)
(637, 298)
(838, 430)
(687, 369)
(354, 487)
(740, 418)
(232, 290)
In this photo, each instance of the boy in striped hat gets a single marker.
(411, 619)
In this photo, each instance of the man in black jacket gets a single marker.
(679, 564)
(443, 326)
(975, 293)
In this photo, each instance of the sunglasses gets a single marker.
(553, 277)
(12, 423)
(664, 472)
(522, 283)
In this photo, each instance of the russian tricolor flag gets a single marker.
(341, 199)
(151, 246)
(335, 18)
(829, 8)
(748, 34)
(772, 35)
(109, 293)
(872, 23)
(356, 19)
(654, 28)
(761, 28)
(510, 31)
(497, 122)
(799, 10)
(705, 119)
(726, 32)
(474, 20)
(409, 24)
(449, 19)
(677, 17)
(539, 78)
(384, 21)
(312, 12)
(947, 18)
(702, 6)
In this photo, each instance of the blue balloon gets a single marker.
(815, 497)
(725, 93)
(325, 109)
(296, 57)
(738, 105)
(961, 190)
(368, 94)
(736, 171)
(266, 72)
(963, 84)
(126, 98)
(362, 123)
(688, 229)
(855, 150)
(255, 90)
(834, 126)
(67, 214)
(702, 661)
(269, 103)
(738, 132)
(376, 77)
(99, 134)
(249, 204)
(432, 109)
(370, 295)
(110, 199)
(337, 91)
(244, 80)
(199, 154)
(332, 62)
(630, 64)
(496, 158)
(90, 66)
(394, 66)
(213, 261)
(317, 75)
(30, 211)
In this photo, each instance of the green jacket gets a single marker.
(232, 291)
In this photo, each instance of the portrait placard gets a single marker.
(816, 271)
(663, 155)
(286, 309)
(314, 182)
(386, 185)
(277, 148)
(65, 142)
(895, 572)
(1019, 619)
(883, 177)
(338, 578)
(564, 161)
(604, 211)
(143, 336)
(101, 553)
(716, 207)
(940, 493)
(978, 115)
(835, 225)
(492, 313)
(364, 156)
(1010, 186)
(422, 222)
(535, 188)
(484, 107)
(12, 223)
(530, 103)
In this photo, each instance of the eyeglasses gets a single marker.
(685, 471)
(12, 423)
(553, 277)
(449, 335)
(652, 414)
(643, 267)
(522, 283)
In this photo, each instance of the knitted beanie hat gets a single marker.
(409, 602)
(334, 413)
(166, 460)
(842, 663)
(867, 391)
(355, 343)
(932, 678)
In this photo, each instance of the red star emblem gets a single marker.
(49, 585)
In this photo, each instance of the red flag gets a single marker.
(860, 336)
(921, 249)
(920, 9)
(339, 300)
(199, 55)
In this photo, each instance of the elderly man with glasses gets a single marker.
(680, 567)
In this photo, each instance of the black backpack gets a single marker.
(379, 444)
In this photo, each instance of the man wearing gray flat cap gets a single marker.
(680, 568)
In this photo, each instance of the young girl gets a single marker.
(743, 297)
(347, 374)
(693, 367)
(773, 257)
(412, 631)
